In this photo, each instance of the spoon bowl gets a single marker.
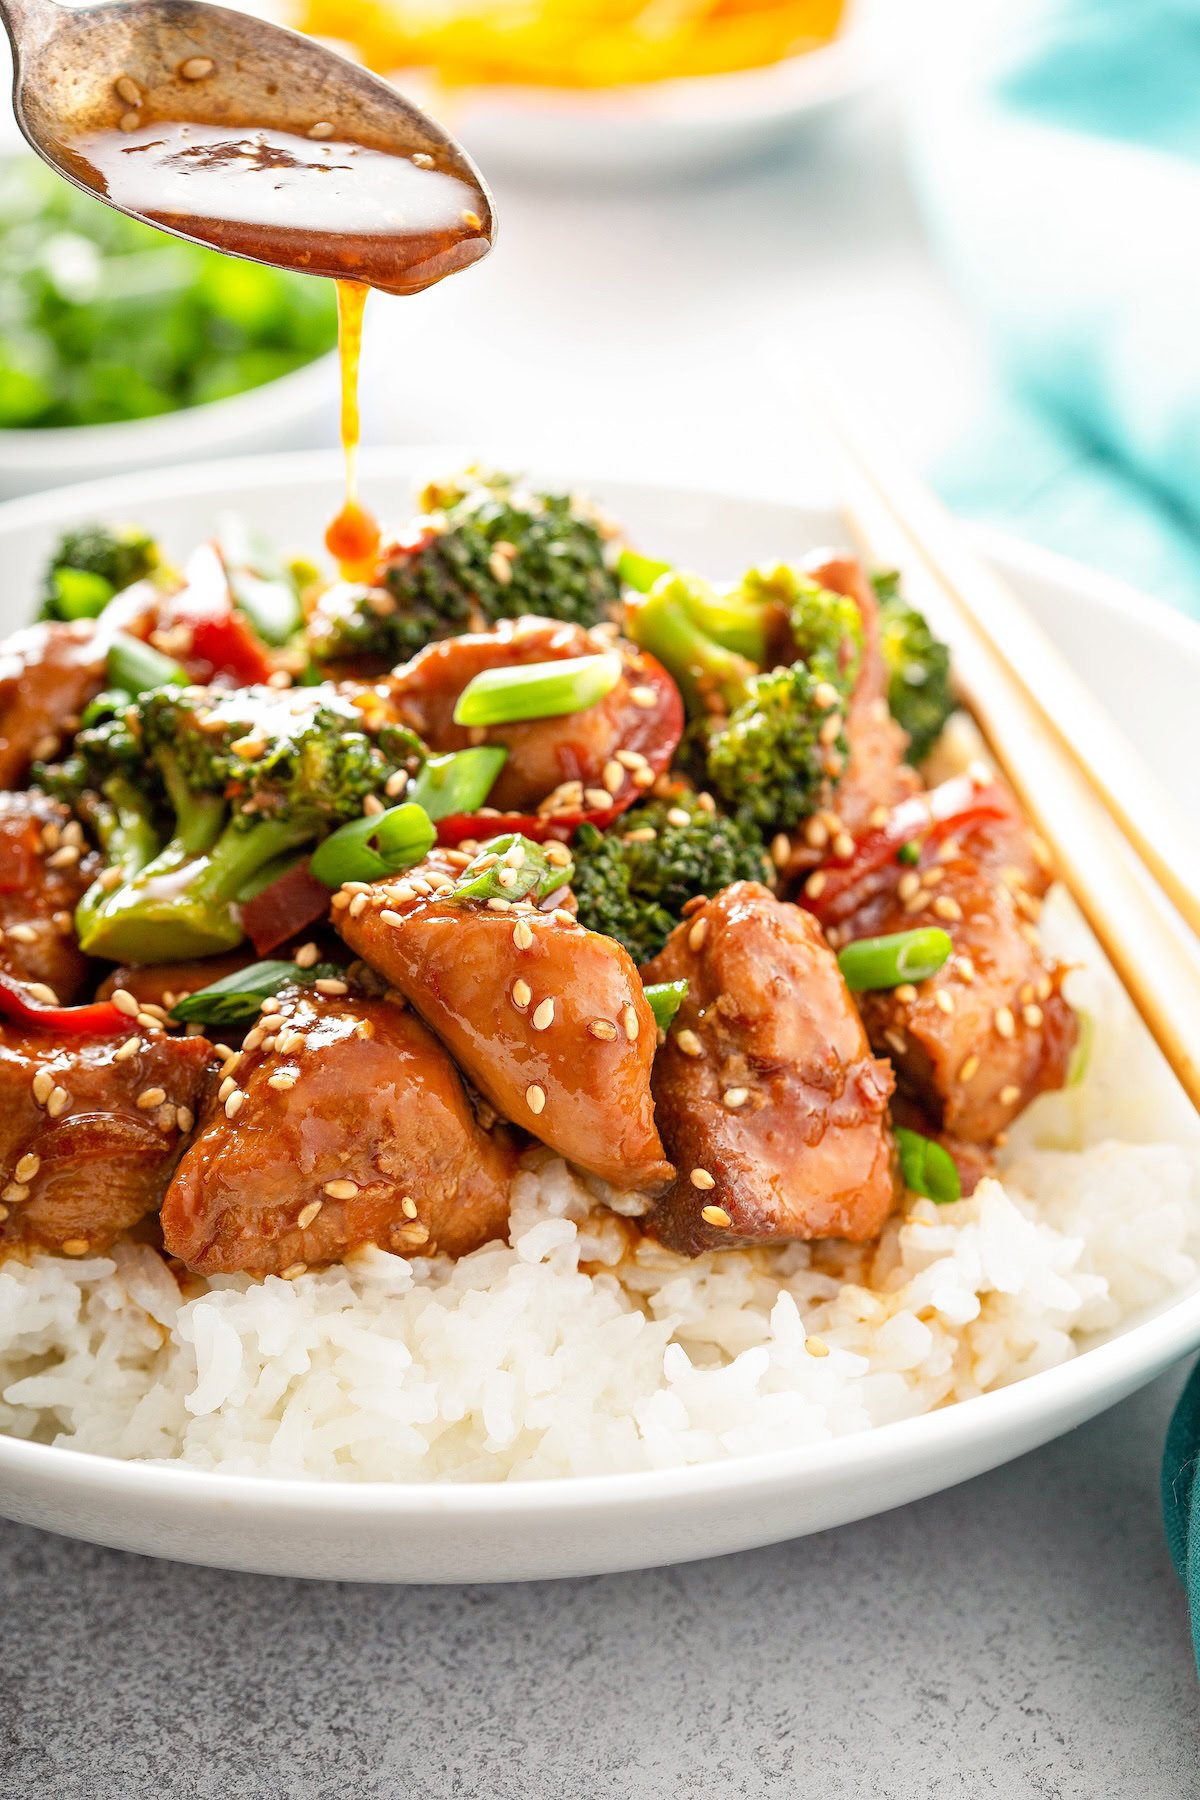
(247, 136)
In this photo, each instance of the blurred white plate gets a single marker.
(1123, 643)
(654, 128)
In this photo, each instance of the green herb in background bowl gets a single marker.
(121, 346)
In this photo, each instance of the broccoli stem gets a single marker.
(122, 822)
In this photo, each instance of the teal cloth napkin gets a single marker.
(1057, 151)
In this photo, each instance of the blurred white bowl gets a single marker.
(655, 128)
(295, 412)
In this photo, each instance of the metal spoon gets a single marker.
(171, 111)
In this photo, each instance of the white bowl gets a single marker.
(1125, 644)
(655, 128)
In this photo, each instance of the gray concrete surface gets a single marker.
(1023, 1635)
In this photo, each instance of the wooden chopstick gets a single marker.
(1162, 835)
(1156, 958)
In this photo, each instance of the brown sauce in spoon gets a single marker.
(363, 214)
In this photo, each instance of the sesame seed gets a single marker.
(557, 855)
(878, 817)
(631, 759)
(965, 968)
(944, 1000)
(250, 747)
(396, 783)
(471, 220)
(234, 1103)
(14, 1192)
(43, 1086)
(535, 1097)
(1004, 1022)
(128, 90)
(279, 678)
(1010, 1095)
(42, 992)
(109, 879)
(932, 878)
(226, 1088)
(506, 877)
(185, 1118)
(830, 728)
(629, 1020)
(412, 1236)
(644, 697)
(22, 934)
(781, 850)
(124, 1002)
(843, 846)
(408, 1207)
(308, 1213)
(305, 956)
(814, 887)
(499, 905)
(75, 1246)
(322, 129)
(129, 121)
(908, 884)
(196, 68)
(716, 1215)
(372, 806)
(358, 906)
(281, 1083)
(734, 1097)
(697, 934)
(521, 994)
(232, 1062)
(543, 1015)
(906, 993)
(969, 1069)
(514, 856)
(28, 1166)
(331, 987)
(1045, 987)
(522, 935)
(296, 1268)
(825, 694)
(896, 1041)
(1033, 1017)
(946, 908)
(700, 1178)
(598, 799)
(816, 1346)
(150, 1097)
(340, 902)
(64, 858)
(341, 1189)
(603, 1029)
(561, 916)
(57, 1102)
(689, 1043)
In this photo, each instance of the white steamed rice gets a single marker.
(576, 1349)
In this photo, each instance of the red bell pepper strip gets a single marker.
(223, 643)
(101, 1018)
(652, 731)
(927, 818)
(292, 903)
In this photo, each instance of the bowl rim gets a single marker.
(1114, 1365)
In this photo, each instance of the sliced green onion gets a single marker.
(377, 845)
(80, 593)
(532, 876)
(884, 962)
(137, 667)
(639, 572)
(1081, 1056)
(909, 853)
(537, 690)
(666, 998)
(240, 995)
(927, 1168)
(459, 782)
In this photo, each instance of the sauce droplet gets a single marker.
(353, 536)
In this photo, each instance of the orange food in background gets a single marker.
(571, 43)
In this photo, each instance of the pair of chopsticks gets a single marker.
(1129, 855)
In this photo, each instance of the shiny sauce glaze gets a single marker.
(363, 214)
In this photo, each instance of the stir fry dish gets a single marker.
(324, 902)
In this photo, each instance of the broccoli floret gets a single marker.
(919, 692)
(92, 564)
(114, 795)
(487, 549)
(633, 881)
(770, 742)
(248, 777)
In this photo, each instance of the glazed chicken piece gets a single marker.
(48, 673)
(547, 1019)
(876, 775)
(350, 1126)
(45, 868)
(553, 764)
(768, 1097)
(976, 1042)
(90, 1132)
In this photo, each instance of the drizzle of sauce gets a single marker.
(353, 537)
(363, 214)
